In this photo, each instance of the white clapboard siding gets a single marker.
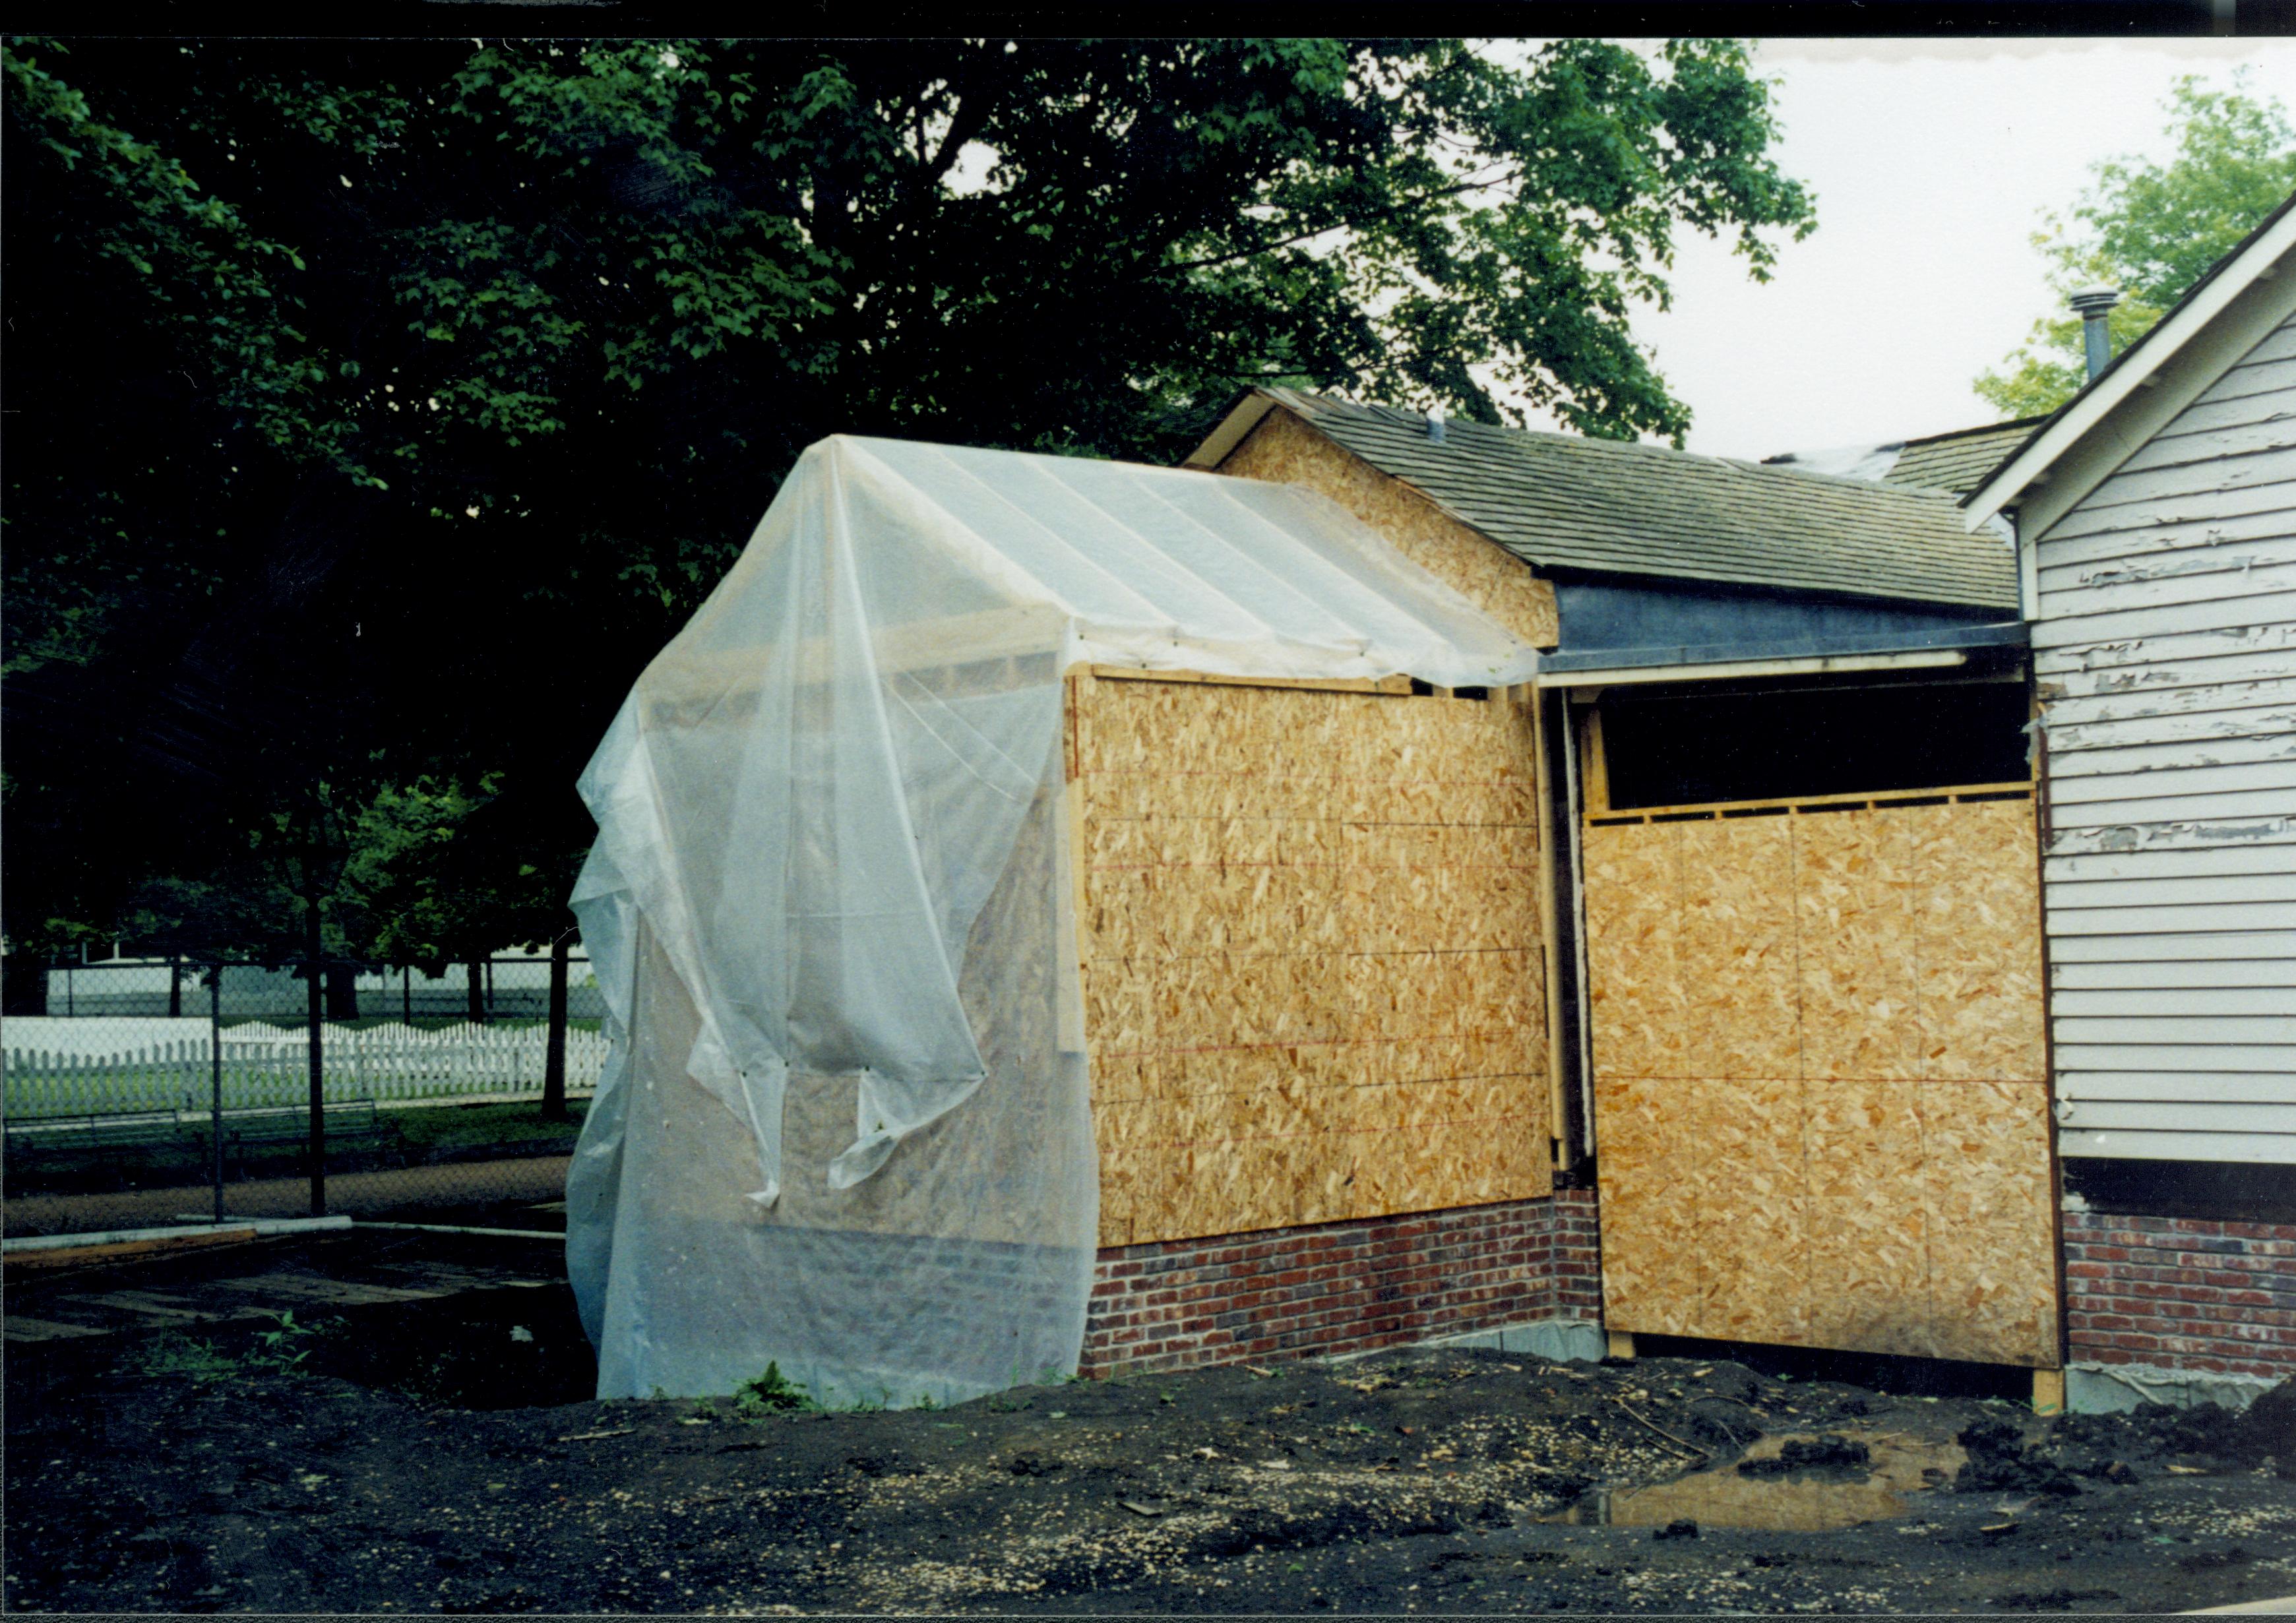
(2170, 577)
(2233, 473)
(2158, 1143)
(2230, 1089)
(2203, 507)
(2173, 890)
(2196, 918)
(2224, 610)
(2231, 767)
(2165, 653)
(2199, 1032)
(2231, 975)
(2278, 344)
(2259, 568)
(2145, 543)
(2259, 374)
(2251, 1059)
(2074, 705)
(2221, 805)
(2245, 721)
(2237, 411)
(2240, 652)
(2211, 1116)
(2257, 741)
(2186, 1002)
(2244, 945)
(2204, 862)
(2190, 834)
(2261, 433)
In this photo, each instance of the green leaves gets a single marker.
(449, 379)
(143, 208)
(2150, 230)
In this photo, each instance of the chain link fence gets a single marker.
(151, 1091)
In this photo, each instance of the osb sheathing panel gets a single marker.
(1819, 1102)
(1284, 450)
(1634, 938)
(1312, 978)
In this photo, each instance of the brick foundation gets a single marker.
(1343, 1287)
(2181, 1293)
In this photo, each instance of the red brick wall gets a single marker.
(1340, 1287)
(2181, 1292)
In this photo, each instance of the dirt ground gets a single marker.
(438, 1455)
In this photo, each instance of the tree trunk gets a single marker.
(554, 1062)
(477, 971)
(342, 991)
(175, 989)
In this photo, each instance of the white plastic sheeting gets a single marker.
(847, 1129)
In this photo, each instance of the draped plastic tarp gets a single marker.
(846, 1127)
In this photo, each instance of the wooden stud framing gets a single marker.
(1549, 935)
(1334, 684)
(1595, 769)
(1960, 795)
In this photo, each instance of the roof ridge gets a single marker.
(1598, 446)
(1983, 427)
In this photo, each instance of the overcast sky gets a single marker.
(1931, 161)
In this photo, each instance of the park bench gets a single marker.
(102, 1136)
(349, 1127)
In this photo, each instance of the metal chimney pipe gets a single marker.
(1435, 425)
(2094, 304)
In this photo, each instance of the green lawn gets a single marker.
(461, 1127)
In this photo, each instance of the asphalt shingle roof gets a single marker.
(1561, 501)
(1961, 460)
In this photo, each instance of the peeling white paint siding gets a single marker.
(2165, 647)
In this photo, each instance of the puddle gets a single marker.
(1901, 1468)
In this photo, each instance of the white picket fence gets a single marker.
(265, 1066)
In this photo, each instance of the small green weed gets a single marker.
(180, 1355)
(770, 1394)
(276, 1349)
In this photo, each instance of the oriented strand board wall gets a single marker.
(1312, 980)
(1286, 451)
(1820, 1103)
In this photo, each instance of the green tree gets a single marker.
(398, 399)
(2150, 229)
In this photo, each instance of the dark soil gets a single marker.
(439, 1456)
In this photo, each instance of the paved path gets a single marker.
(406, 1193)
(254, 1280)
